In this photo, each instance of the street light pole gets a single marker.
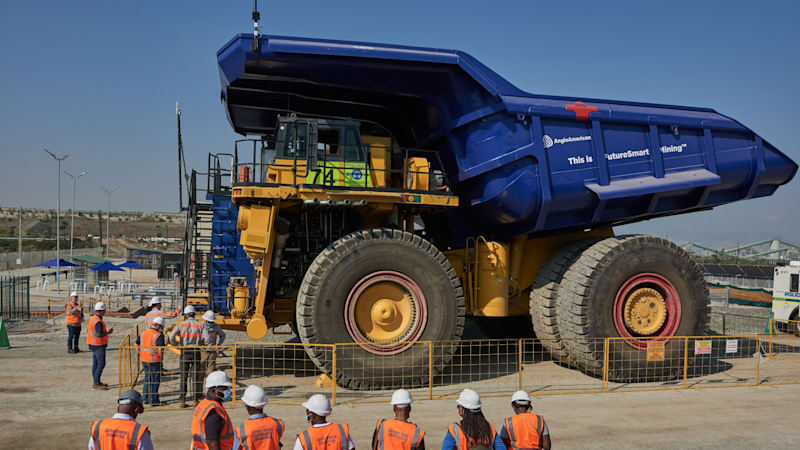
(72, 227)
(58, 220)
(108, 219)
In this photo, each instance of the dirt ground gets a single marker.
(47, 403)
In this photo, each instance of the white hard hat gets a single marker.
(99, 306)
(208, 316)
(74, 294)
(154, 301)
(217, 378)
(254, 396)
(401, 397)
(319, 405)
(470, 400)
(521, 397)
(158, 321)
(189, 309)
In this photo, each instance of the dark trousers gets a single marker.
(152, 378)
(98, 362)
(74, 336)
(191, 367)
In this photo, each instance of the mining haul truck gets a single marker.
(386, 192)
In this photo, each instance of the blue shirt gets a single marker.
(450, 443)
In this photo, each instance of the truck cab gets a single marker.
(786, 296)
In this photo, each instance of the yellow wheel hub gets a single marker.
(384, 312)
(645, 311)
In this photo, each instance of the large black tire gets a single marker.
(322, 299)
(586, 306)
(543, 299)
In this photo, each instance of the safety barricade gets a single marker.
(178, 375)
(441, 369)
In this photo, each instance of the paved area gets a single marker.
(48, 403)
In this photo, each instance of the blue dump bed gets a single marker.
(520, 163)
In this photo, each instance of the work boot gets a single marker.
(76, 350)
(70, 351)
(99, 387)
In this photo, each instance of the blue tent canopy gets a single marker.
(131, 265)
(105, 265)
(56, 263)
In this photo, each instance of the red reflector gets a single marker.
(581, 110)
(404, 198)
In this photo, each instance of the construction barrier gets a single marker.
(495, 367)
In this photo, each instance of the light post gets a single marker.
(58, 219)
(72, 227)
(108, 218)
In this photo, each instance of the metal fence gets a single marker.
(440, 370)
(8, 260)
(15, 297)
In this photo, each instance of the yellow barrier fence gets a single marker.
(494, 367)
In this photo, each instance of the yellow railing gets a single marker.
(441, 369)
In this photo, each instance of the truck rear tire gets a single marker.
(543, 299)
(631, 287)
(378, 291)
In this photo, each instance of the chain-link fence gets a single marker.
(8, 260)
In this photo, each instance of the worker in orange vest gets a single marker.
(474, 431)
(155, 311)
(259, 431)
(122, 432)
(151, 345)
(398, 433)
(97, 339)
(212, 428)
(187, 334)
(322, 435)
(74, 314)
(525, 430)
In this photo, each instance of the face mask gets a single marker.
(308, 421)
(228, 396)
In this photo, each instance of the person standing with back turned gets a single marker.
(322, 435)
(122, 432)
(525, 430)
(151, 352)
(259, 431)
(473, 432)
(189, 331)
(97, 339)
(74, 315)
(398, 433)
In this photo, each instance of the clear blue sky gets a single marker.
(99, 80)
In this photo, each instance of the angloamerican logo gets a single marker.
(549, 142)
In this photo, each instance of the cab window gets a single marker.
(352, 149)
(794, 281)
(295, 146)
(328, 144)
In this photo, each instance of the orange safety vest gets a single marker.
(462, 441)
(91, 337)
(117, 434)
(201, 412)
(260, 434)
(525, 431)
(395, 434)
(331, 437)
(148, 351)
(73, 318)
